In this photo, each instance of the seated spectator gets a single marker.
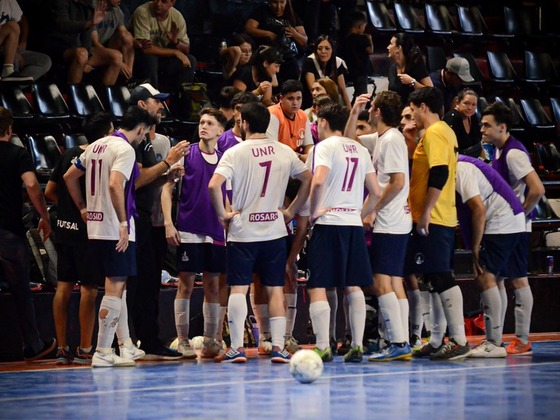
(111, 33)
(277, 25)
(466, 124)
(449, 81)
(237, 55)
(29, 64)
(260, 77)
(323, 63)
(163, 58)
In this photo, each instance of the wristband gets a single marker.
(123, 224)
(83, 211)
(167, 164)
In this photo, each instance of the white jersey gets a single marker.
(343, 193)
(369, 141)
(259, 171)
(470, 182)
(390, 156)
(99, 160)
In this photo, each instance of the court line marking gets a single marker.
(257, 381)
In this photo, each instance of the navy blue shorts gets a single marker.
(70, 266)
(496, 251)
(517, 265)
(199, 258)
(337, 256)
(387, 253)
(430, 254)
(266, 258)
(115, 264)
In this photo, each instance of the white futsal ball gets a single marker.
(306, 366)
(196, 342)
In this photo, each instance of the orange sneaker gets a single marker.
(517, 348)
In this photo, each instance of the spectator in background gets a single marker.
(464, 121)
(237, 55)
(450, 80)
(164, 57)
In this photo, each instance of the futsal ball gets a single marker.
(196, 342)
(306, 366)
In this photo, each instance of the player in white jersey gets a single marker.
(110, 168)
(337, 252)
(392, 222)
(492, 222)
(259, 170)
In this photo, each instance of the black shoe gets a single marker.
(49, 345)
(161, 353)
(346, 346)
(333, 345)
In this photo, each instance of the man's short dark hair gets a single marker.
(243, 98)
(226, 96)
(389, 103)
(357, 18)
(335, 114)
(291, 85)
(135, 116)
(6, 120)
(501, 113)
(216, 113)
(430, 96)
(257, 116)
(97, 125)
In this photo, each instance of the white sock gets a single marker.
(211, 313)
(222, 315)
(390, 310)
(504, 298)
(108, 325)
(7, 69)
(415, 312)
(291, 311)
(237, 312)
(123, 331)
(277, 329)
(403, 305)
(452, 302)
(263, 320)
(523, 310)
(426, 309)
(357, 317)
(439, 323)
(332, 297)
(492, 307)
(319, 312)
(182, 315)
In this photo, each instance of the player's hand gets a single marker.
(477, 268)
(175, 173)
(292, 271)
(288, 216)
(227, 218)
(44, 228)
(360, 103)
(314, 216)
(177, 152)
(122, 243)
(369, 220)
(172, 235)
(422, 227)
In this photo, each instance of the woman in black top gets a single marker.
(408, 71)
(465, 123)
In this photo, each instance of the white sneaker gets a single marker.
(110, 360)
(210, 348)
(131, 352)
(186, 350)
(487, 349)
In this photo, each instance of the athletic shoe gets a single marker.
(131, 352)
(110, 360)
(325, 355)
(231, 356)
(210, 348)
(487, 349)
(415, 342)
(517, 348)
(291, 344)
(64, 357)
(451, 351)
(83, 358)
(265, 347)
(393, 352)
(48, 346)
(376, 346)
(281, 356)
(425, 351)
(186, 350)
(346, 346)
(354, 355)
(161, 353)
(17, 77)
(334, 345)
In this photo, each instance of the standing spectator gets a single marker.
(465, 123)
(450, 80)
(16, 167)
(164, 56)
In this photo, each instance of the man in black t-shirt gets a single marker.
(16, 167)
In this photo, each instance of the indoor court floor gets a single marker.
(524, 387)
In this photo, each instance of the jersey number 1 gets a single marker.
(95, 173)
(351, 166)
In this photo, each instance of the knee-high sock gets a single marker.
(277, 330)
(211, 313)
(403, 306)
(452, 302)
(357, 316)
(181, 308)
(425, 307)
(492, 306)
(319, 312)
(391, 313)
(263, 320)
(504, 298)
(237, 312)
(108, 324)
(415, 312)
(439, 323)
(222, 315)
(123, 332)
(523, 310)
(291, 312)
(332, 298)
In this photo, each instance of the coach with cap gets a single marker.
(450, 80)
